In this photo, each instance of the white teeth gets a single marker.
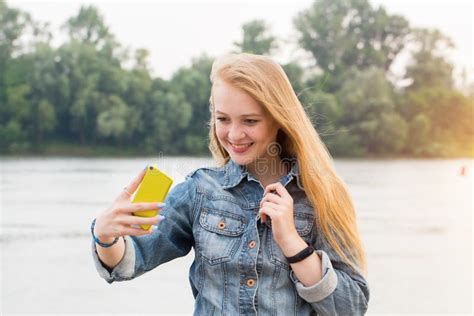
(241, 146)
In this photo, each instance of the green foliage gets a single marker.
(345, 34)
(295, 74)
(88, 27)
(194, 83)
(429, 67)
(440, 121)
(256, 39)
(370, 112)
(112, 121)
(79, 98)
(323, 110)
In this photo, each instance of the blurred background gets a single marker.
(91, 92)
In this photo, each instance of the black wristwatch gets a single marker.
(303, 254)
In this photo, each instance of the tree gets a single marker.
(295, 74)
(92, 72)
(429, 66)
(112, 122)
(169, 116)
(12, 24)
(323, 109)
(26, 79)
(344, 34)
(41, 77)
(89, 27)
(256, 39)
(80, 92)
(370, 112)
(442, 119)
(195, 84)
(15, 111)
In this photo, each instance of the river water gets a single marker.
(415, 218)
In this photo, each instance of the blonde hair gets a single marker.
(266, 82)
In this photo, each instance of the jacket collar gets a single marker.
(234, 173)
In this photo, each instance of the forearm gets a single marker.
(309, 270)
(331, 290)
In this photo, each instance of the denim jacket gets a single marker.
(238, 267)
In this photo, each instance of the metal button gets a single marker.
(221, 225)
(250, 282)
(252, 244)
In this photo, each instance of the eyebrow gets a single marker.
(251, 114)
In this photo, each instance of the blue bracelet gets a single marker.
(104, 245)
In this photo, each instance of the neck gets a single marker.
(268, 170)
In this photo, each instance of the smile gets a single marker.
(240, 148)
(241, 145)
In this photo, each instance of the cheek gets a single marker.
(221, 132)
(259, 133)
(262, 133)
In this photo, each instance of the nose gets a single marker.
(236, 133)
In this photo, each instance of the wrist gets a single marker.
(302, 255)
(98, 232)
(105, 239)
(292, 244)
(106, 242)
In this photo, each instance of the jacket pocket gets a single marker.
(219, 235)
(304, 225)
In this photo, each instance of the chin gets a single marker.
(241, 160)
(244, 160)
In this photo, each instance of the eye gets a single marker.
(249, 121)
(221, 119)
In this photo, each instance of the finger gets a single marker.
(279, 188)
(130, 231)
(143, 206)
(276, 207)
(271, 197)
(137, 220)
(133, 185)
(269, 189)
(267, 211)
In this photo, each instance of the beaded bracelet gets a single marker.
(97, 241)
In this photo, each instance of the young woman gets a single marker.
(273, 227)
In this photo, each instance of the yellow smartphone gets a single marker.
(153, 188)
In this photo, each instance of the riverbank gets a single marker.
(107, 151)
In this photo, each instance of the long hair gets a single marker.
(266, 82)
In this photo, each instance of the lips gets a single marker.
(240, 148)
(241, 145)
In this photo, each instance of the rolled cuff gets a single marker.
(124, 270)
(324, 287)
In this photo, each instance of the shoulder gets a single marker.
(182, 192)
(206, 171)
(207, 178)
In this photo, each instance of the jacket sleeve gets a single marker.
(173, 238)
(341, 291)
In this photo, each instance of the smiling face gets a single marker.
(243, 127)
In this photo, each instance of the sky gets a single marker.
(176, 31)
